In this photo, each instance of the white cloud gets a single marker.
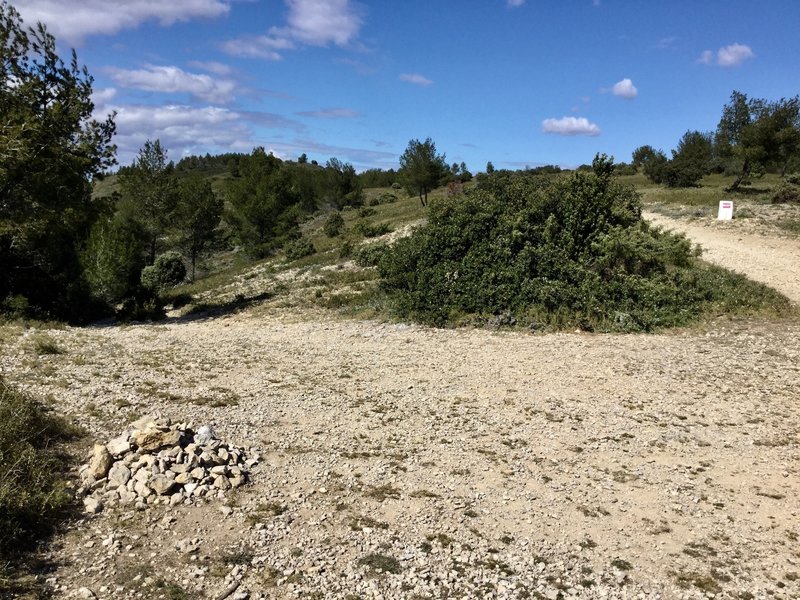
(180, 128)
(261, 46)
(102, 96)
(732, 55)
(217, 68)
(706, 58)
(171, 80)
(625, 89)
(416, 79)
(570, 126)
(515, 3)
(309, 22)
(72, 21)
(320, 22)
(331, 113)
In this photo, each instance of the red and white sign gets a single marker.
(725, 210)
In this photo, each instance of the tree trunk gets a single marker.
(742, 175)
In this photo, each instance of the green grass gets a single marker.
(33, 496)
(710, 191)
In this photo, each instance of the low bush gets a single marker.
(369, 255)
(334, 225)
(369, 230)
(384, 198)
(299, 249)
(573, 252)
(32, 491)
(166, 272)
(786, 193)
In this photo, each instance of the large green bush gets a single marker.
(564, 253)
(166, 272)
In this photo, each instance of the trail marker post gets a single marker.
(725, 210)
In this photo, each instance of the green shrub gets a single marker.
(365, 212)
(397, 186)
(369, 230)
(298, 249)
(144, 307)
(786, 193)
(32, 493)
(334, 225)
(793, 179)
(573, 252)
(384, 198)
(346, 251)
(369, 255)
(166, 272)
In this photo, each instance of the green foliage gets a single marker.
(370, 255)
(148, 194)
(299, 249)
(564, 253)
(198, 213)
(32, 493)
(166, 272)
(378, 178)
(367, 229)
(50, 148)
(422, 169)
(786, 193)
(113, 259)
(344, 186)
(264, 204)
(384, 198)
(754, 133)
(334, 225)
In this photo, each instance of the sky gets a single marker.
(520, 83)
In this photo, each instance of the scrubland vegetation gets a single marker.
(542, 249)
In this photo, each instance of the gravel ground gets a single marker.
(396, 461)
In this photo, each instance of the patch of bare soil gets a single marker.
(398, 461)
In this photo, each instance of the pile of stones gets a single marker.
(157, 462)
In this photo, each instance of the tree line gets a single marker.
(753, 136)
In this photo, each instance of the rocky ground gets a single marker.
(395, 461)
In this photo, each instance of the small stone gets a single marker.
(162, 484)
(226, 510)
(222, 483)
(189, 488)
(92, 506)
(119, 474)
(142, 489)
(101, 462)
(86, 593)
(183, 478)
(204, 435)
(154, 439)
(176, 499)
(219, 470)
(237, 481)
(198, 473)
(119, 445)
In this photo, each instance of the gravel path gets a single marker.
(397, 461)
(771, 260)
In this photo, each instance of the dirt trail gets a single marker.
(772, 260)
(398, 461)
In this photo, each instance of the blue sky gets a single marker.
(515, 82)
